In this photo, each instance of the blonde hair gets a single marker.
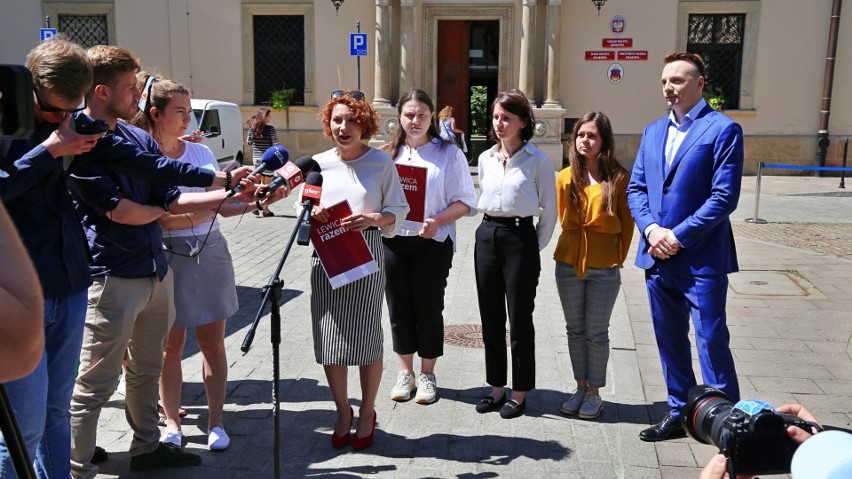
(61, 66)
(445, 113)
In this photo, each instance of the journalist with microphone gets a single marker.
(205, 293)
(347, 327)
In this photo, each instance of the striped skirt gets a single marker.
(347, 321)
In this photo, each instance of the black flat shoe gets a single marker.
(668, 428)
(512, 409)
(488, 404)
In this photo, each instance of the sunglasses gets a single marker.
(145, 100)
(52, 109)
(354, 94)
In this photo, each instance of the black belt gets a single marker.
(509, 220)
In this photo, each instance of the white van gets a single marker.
(222, 125)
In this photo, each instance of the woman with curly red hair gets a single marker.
(347, 328)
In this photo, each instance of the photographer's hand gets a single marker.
(65, 141)
(799, 435)
(717, 468)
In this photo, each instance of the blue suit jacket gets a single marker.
(694, 198)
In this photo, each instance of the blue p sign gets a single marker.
(46, 33)
(358, 44)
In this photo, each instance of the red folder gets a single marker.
(344, 253)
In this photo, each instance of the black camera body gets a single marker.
(90, 127)
(751, 434)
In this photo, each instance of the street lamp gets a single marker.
(338, 3)
(599, 4)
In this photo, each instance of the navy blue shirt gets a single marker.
(33, 190)
(126, 251)
(32, 187)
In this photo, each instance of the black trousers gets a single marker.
(416, 270)
(507, 269)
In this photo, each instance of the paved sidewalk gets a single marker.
(790, 340)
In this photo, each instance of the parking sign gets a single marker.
(358, 44)
(46, 33)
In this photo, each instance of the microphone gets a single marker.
(291, 174)
(310, 195)
(273, 159)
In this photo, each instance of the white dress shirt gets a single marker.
(447, 181)
(526, 186)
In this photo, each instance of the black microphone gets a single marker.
(292, 177)
(311, 192)
(272, 159)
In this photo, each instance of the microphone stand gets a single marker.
(272, 294)
(15, 444)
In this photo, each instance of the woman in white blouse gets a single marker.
(517, 183)
(347, 326)
(418, 259)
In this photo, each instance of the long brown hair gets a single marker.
(258, 121)
(399, 137)
(608, 167)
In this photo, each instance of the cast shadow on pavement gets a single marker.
(250, 299)
(546, 403)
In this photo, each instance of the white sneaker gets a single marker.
(217, 439)
(172, 438)
(575, 400)
(427, 389)
(592, 406)
(403, 387)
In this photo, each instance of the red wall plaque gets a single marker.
(600, 55)
(641, 55)
(617, 42)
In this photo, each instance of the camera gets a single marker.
(17, 112)
(87, 126)
(751, 434)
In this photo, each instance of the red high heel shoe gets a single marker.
(359, 443)
(341, 441)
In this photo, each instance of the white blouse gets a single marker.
(447, 181)
(525, 187)
(370, 184)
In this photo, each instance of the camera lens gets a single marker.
(703, 414)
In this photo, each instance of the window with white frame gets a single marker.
(724, 34)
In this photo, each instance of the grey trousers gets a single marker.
(587, 304)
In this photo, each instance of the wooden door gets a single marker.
(454, 69)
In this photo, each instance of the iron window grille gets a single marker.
(279, 56)
(719, 40)
(85, 30)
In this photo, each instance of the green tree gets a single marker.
(478, 110)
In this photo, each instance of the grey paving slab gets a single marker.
(786, 348)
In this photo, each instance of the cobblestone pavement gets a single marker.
(788, 315)
(832, 239)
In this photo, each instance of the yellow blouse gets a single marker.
(599, 240)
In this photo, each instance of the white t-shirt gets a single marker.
(447, 181)
(370, 184)
(201, 156)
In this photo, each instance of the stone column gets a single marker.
(406, 50)
(382, 85)
(554, 24)
(526, 77)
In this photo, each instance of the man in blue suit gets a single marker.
(685, 184)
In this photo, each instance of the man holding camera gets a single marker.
(684, 186)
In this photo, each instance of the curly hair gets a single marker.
(610, 170)
(445, 113)
(363, 112)
(515, 102)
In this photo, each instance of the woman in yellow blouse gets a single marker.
(591, 198)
